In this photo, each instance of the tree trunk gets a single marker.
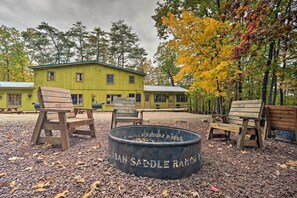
(275, 91)
(273, 79)
(266, 73)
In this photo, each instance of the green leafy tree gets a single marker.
(124, 45)
(80, 35)
(99, 44)
(166, 60)
(13, 56)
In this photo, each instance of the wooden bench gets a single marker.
(282, 118)
(243, 118)
(125, 111)
(57, 113)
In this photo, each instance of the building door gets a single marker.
(147, 104)
(170, 101)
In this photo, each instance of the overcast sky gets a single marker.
(61, 14)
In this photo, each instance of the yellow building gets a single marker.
(91, 83)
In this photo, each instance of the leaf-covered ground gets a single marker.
(83, 170)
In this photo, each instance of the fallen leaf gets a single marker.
(15, 158)
(61, 195)
(220, 149)
(284, 166)
(40, 190)
(79, 179)
(79, 163)
(195, 194)
(28, 168)
(214, 189)
(210, 145)
(47, 145)
(291, 163)
(243, 152)
(3, 183)
(41, 186)
(12, 184)
(2, 174)
(42, 157)
(165, 193)
(13, 190)
(94, 186)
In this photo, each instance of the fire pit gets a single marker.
(155, 151)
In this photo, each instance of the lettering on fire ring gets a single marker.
(145, 163)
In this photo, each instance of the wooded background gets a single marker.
(219, 50)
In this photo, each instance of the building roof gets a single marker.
(85, 63)
(21, 85)
(164, 89)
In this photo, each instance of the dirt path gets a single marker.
(106, 116)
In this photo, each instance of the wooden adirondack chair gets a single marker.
(57, 113)
(244, 118)
(125, 111)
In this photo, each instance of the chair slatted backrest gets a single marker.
(282, 117)
(56, 98)
(126, 107)
(245, 108)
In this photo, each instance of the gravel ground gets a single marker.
(83, 170)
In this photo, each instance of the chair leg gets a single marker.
(210, 132)
(241, 139)
(92, 130)
(38, 128)
(259, 134)
(64, 131)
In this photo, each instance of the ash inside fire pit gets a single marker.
(155, 151)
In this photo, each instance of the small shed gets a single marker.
(161, 97)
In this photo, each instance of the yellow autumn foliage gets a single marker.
(204, 49)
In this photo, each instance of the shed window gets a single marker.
(181, 98)
(160, 97)
(14, 99)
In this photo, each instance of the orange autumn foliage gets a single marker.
(204, 51)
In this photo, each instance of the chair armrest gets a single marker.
(218, 115)
(54, 110)
(141, 113)
(85, 109)
(249, 118)
(224, 117)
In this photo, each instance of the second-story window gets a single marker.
(50, 75)
(79, 77)
(131, 79)
(109, 79)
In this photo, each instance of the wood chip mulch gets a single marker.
(84, 171)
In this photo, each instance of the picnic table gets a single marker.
(10, 110)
